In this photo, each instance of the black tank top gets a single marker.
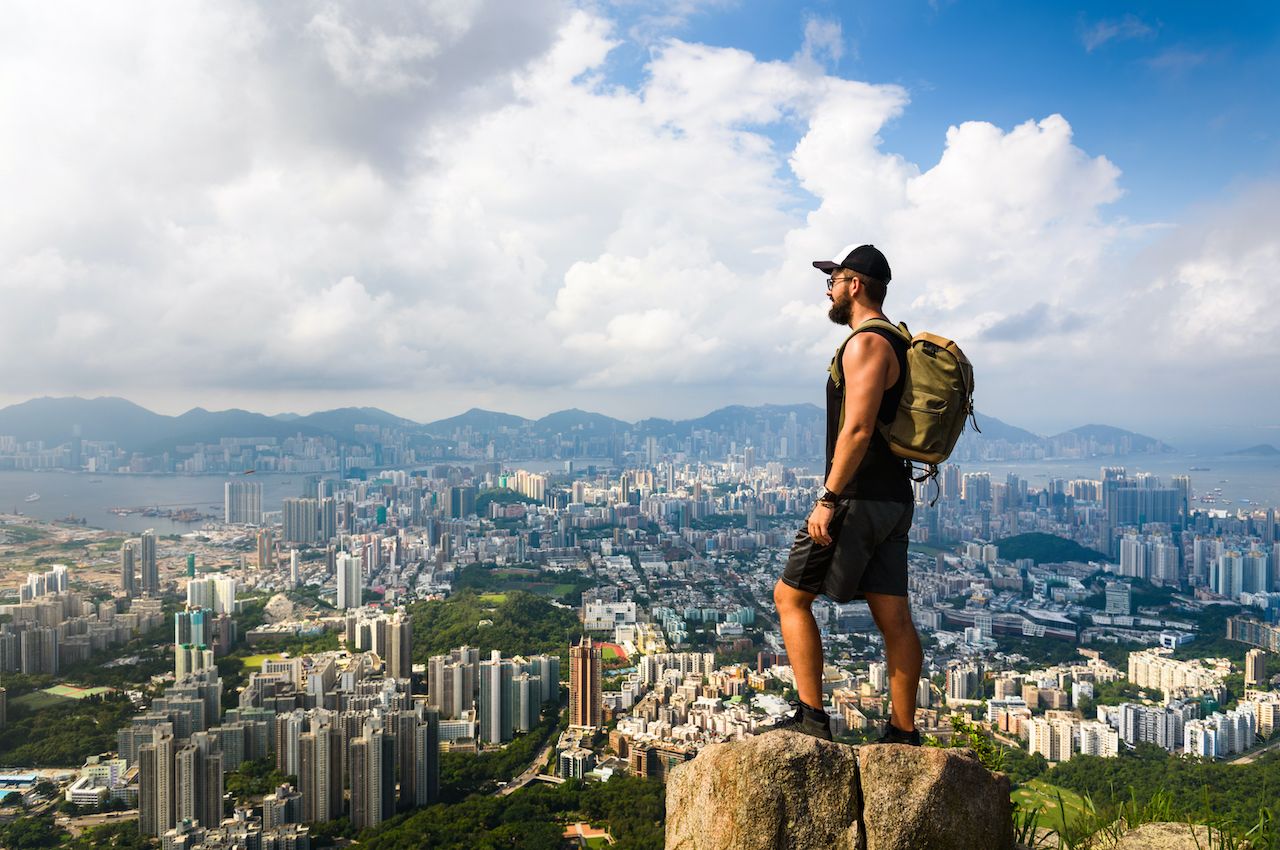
(882, 475)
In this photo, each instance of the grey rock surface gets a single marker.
(1166, 836)
(924, 798)
(778, 791)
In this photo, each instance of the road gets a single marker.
(532, 770)
(1250, 756)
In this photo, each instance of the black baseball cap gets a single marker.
(866, 259)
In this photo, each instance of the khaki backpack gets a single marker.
(937, 397)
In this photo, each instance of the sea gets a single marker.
(92, 496)
(1232, 481)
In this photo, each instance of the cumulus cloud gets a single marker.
(434, 205)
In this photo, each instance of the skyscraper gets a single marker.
(156, 785)
(372, 776)
(301, 521)
(399, 662)
(585, 699)
(1255, 669)
(242, 502)
(328, 519)
(426, 762)
(150, 569)
(495, 699)
(293, 568)
(266, 549)
(320, 771)
(128, 571)
(350, 581)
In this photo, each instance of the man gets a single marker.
(854, 545)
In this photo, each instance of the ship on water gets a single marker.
(34, 497)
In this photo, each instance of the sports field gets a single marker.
(254, 662)
(74, 692)
(612, 652)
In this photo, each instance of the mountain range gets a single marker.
(134, 428)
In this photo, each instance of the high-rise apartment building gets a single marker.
(128, 570)
(320, 772)
(328, 519)
(197, 785)
(150, 568)
(399, 657)
(495, 699)
(301, 521)
(350, 581)
(266, 549)
(242, 502)
(156, 786)
(585, 699)
(1255, 669)
(372, 757)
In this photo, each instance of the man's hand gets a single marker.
(820, 523)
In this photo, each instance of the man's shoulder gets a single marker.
(870, 342)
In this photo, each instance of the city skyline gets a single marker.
(319, 207)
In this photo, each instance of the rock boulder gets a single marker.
(916, 797)
(787, 791)
(779, 790)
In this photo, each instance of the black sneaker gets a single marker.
(894, 735)
(806, 720)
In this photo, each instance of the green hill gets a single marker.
(519, 623)
(1046, 549)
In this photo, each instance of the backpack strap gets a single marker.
(837, 368)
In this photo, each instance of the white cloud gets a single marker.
(1117, 29)
(435, 206)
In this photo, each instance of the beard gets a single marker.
(841, 312)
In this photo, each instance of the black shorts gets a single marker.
(867, 553)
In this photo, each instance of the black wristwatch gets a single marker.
(829, 498)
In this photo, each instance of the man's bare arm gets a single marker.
(867, 363)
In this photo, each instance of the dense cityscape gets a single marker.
(296, 685)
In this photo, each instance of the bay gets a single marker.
(92, 496)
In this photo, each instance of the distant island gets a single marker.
(1260, 450)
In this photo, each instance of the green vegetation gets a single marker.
(1228, 795)
(464, 774)
(31, 833)
(1114, 693)
(489, 578)
(64, 734)
(255, 778)
(1050, 803)
(122, 835)
(1045, 549)
(523, 624)
(533, 818)
(1042, 650)
(20, 533)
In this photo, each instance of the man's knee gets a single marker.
(786, 596)
(892, 615)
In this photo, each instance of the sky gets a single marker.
(429, 206)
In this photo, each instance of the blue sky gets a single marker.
(614, 205)
(1183, 97)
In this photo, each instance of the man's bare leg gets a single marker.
(804, 643)
(903, 656)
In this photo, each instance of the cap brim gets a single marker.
(825, 265)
